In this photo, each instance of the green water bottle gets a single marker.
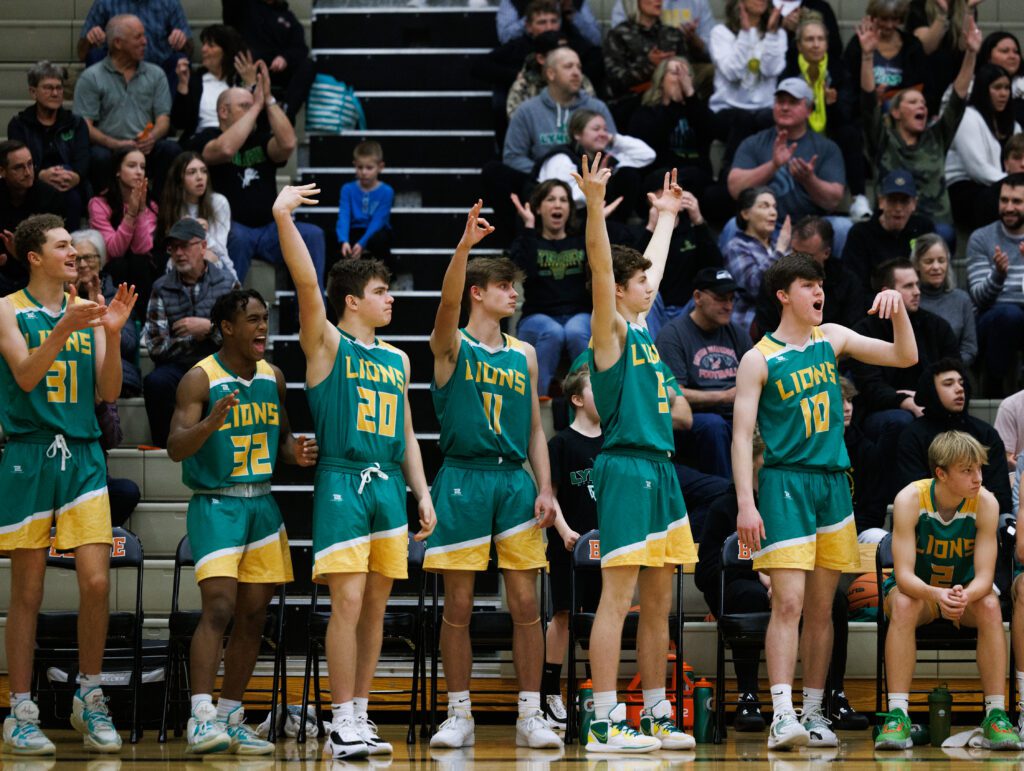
(940, 714)
(585, 700)
(703, 712)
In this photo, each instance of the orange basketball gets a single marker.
(863, 592)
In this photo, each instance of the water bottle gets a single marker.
(940, 714)
(704, 712)
(585, 701)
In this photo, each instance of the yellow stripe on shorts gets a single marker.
(33, 532)
(84, 520)
(467, 555)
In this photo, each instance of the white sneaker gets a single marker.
(817, 727)
(616, 735)
(344, 741)
(458, 730)
(367, 731)
(658, 723)
(91, 718)
(244, 740)
(786, 732)
(860, 209)
(203, 733)
(554, 712)
(532, 730)
(21, 731)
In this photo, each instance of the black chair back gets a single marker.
(125, 552)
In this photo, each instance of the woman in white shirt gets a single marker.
(749, 54)
(626, 156)
(975, 159)
(226, 62)
(189, 193)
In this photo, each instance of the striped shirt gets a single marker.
(985, 285)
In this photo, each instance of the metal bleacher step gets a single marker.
(419, 68)
(403, 25)
(411, 225)
(467, 109)
(405, 147)
(431, 187)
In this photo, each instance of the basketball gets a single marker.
(863, 592)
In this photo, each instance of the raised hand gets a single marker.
(177, 39)
(81, 315)
(888, 303)
(263, 81)
(867, 34)
(972, 35)
(592, 179)
(525, 213)
(745, 21)
(427, 518)
(278, 64)
(785, 236)
(182, 70)
(306, 451)
(292, 197)
(477, 228)
(221, 408)
(671, 199)
(245, 67)
(782, 152)
(120, 308)
(610, 207)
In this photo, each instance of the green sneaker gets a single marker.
(616, 735)
(895, 731)
(999, 732)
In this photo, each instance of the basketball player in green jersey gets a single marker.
(485, 397)
(229, 428)
(640, 509)
(944, 549)
(356, 384)
(60, 355)
(804, 534)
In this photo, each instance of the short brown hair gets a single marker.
(30, 235)
(575, 382)
(482, 271)
(952, 447)
(537, 7)
(787, 269)
(368, 149)
(626, 261)
(1014, 147)
(885, 274)
(848, 389)
(350, 277)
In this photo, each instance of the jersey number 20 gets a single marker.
(377, 412)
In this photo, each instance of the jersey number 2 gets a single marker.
(252, 455)
(815, 410)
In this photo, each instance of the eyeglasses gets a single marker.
(182, 245)
(86, 257)
(53, 88)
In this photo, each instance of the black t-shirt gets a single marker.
(690, 249)
(556, 280)
(248, 180)
(41, 199)
(572, 458)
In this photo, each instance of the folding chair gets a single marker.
(490, 632)
(586, 558)
(939, 635)
(403, 633)
(182, 625)
(733, 628)
(57, 632)
(1007, 550)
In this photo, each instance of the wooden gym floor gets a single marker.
(495, 749)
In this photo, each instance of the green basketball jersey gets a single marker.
(800, 413)
(945, 550)
(63, 402)
(486, 406)
(244, 449)
(632, 396)
(359, 409)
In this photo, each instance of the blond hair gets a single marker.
(952, 447)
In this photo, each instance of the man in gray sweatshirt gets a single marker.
(537, 127)
(995, 275)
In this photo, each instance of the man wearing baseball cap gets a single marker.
(803, 168)
(703, 349)
(178, 329)
(891, 232)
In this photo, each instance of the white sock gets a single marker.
(360, 704)
(1020, 687)
(604, 703)
(339, 711)
(812, 699)
(782, 698)
(998, 701)
(460, 700)
(899, 701)
(652, 696)
(529, 702)
(17, 698)
(199, 698)
(225, 706)
(87, 682)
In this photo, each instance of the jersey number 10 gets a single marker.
(815, 411)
